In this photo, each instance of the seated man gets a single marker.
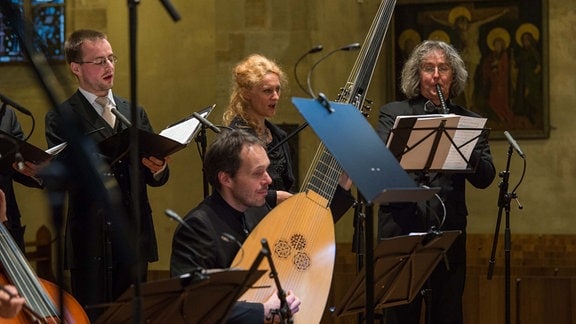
(235, 165)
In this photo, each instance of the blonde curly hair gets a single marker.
(247, 74)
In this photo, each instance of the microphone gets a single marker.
(229, 238)
(122, 118)
(13, 104)
(514, 144)
(171, 10)
(315, 49)
(442, 100)
(172, 214)
(206, 122)
(349, 47)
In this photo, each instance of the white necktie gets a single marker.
(107, 113)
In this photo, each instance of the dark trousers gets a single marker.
(91, 286)
(442, 293)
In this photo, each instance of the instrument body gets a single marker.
(300, 231)
(73, 312)
(303, 251)
(41, 296)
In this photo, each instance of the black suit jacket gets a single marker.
(86, 231)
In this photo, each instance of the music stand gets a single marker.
(435, 143)
(402, 265)
(425, 143)
(185, 299)
(366, 160)
(360, 152)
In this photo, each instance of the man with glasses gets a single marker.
(435, 71)
(102, 264)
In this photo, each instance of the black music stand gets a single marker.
(402, 265)
(435, 143)
(184, 300)
(367, 161)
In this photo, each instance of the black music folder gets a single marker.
(9, 145)
(169, 141)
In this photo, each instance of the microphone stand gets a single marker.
(8, 102)
(134, 156)
(358, 238)
(134, 144)
(202, 143)
(349, 47)
(284, 311)
(503, 205)
(324, 101)
(288, 137)
(321, 97)
(57, 175)
(314, 49)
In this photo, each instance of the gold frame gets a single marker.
(522, 71)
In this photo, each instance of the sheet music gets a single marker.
(184, 131)
(56, 149)
(413, 136)
(454, 161)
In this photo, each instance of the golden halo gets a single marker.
(496, 33)
(408, 34)
(527, 28)
(458, 11)
(439, 35)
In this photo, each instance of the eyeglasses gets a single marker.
(431, 69)
(101, 61)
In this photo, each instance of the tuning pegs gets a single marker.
(367, 107)
(342, 95)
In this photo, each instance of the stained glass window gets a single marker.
(46, 19)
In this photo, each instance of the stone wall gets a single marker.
(184, 66)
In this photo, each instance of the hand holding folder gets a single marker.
(13, 149)
(169, 141)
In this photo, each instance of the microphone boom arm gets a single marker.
(122, 118)
(172, 214)
(206, 122)
(314, 49)
(349, 47)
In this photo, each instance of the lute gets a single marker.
(300, 231)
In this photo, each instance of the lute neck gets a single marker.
(325, 171)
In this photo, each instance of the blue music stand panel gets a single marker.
(360, 152)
